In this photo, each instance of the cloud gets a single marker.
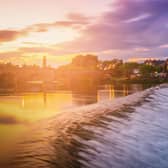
(164, 46)
(136, 27)
(74, 20)
(43, 27)
(10, 35)
(146, 29)
(78, 17)
(138, 18)
(133, 24)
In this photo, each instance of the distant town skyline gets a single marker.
(124, 29)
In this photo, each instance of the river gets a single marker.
(100, 129)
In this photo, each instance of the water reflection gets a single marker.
(109, 92)
(84, 94)
(26, 108)
(132, 136)
(36, 106)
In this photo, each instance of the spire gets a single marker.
(44, 62)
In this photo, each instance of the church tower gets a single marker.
(44, 62)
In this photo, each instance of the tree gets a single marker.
(87, 61)
(147, 70)
(129, 67)
(7, 80)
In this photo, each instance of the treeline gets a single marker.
(84, 68)
(115, 69)
(15, 77)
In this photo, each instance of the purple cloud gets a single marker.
(126, 26)
(129, 24)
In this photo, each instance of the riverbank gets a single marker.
(144, 81)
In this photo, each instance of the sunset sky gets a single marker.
(126, 29)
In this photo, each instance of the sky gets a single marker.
(133, 30)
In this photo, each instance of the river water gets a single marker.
(122, 132)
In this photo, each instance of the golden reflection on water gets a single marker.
(18, 112)
(34, 106)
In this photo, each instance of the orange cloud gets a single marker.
(74, 20)
(10, 35)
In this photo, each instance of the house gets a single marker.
(135, 73)
(153, 62)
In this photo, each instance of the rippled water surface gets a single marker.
(122, 133)
(20, 110)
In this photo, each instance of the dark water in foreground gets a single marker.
(133, 135)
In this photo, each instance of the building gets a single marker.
(153, 62)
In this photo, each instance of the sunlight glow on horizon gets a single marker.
(110, 29)
(44, 28)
